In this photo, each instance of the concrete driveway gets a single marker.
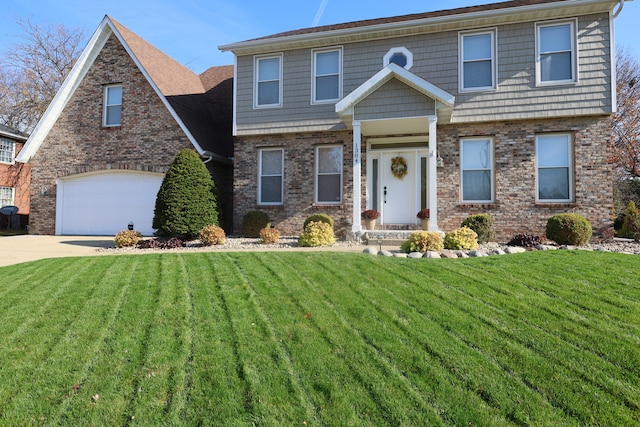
(17, 249)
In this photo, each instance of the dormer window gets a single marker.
(112, 114)
(400, 56)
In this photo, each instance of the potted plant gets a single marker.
(424, 215)
(370, 216)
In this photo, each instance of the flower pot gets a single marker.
(369, 224)
(424, 224)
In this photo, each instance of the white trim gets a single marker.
(314, 53)
(256, 61)
(573, 26)
(401, 49)
(234, 130)
(281, 175)
(317, 174)
(570, 166)
(614, 62)
(493, 33)
(491, 169)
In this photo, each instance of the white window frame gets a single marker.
(317, 174)
(493, 33)
(314, 54)
(490, 168)
(573, 25)
(260, 176)
(386, 60)
(256, 81)
(106, 105)
(11, 198)
(9, 147)
(570, 168)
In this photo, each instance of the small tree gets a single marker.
(186, 200)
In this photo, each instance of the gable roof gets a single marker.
(8, 132)
(180, 90)
(442, 20)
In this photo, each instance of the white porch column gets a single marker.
(357, 179)
(433, 174)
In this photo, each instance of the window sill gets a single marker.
(487, 205)
(326, 205)
(543, 205)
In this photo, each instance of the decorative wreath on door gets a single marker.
(399, 167)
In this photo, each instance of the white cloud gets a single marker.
(320, 12)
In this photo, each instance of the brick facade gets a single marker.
(18, 177)
(147, 140)
(515, 209)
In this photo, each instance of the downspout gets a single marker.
(620, 7)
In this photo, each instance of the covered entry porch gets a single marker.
(396, 113)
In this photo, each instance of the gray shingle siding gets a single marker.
(435, 58)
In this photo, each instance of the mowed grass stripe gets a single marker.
(309, 352)
(216, 393)
(464, 376)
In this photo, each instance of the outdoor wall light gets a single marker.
(130, 226)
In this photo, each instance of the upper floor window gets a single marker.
(7, 196)
(329, 174)
(270, 175)
(268, 84)
(556, 53)
(400, 56)
(112, 115)
(327, 75)
(477, 61)
(7, 151)
(554, 168)
(476, 160)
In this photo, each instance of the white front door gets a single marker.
(399, 195)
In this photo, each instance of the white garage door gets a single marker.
(101, 204)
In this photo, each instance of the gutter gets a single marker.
(210, 155)
(620, 7)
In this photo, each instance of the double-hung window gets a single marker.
(268, 81)
(556, 53)
(327, 75)
(554, 163)
(6, 196)
(476, 163)
(329, 174)
(7, 151)
(477, 61)
(112, 114)
(270, 175)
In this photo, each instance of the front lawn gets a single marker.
(317, 338)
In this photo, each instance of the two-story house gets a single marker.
(502, 108)
(14, 179)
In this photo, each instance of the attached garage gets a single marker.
(103, 203)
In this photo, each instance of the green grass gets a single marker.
(282, 338)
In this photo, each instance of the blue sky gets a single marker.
(190, 30)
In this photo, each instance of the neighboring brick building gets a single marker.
(14, 178)
(100, 152)
(500, 108)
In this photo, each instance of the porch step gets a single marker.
(386, 237)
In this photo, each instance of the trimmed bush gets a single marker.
(269, 236)
(630, 228)
(569, 229)
(423, 241)
(212, 235)
(317, 233)
(318, 217)
(253, 222)
(162, 243)
(127, 238)
(463, 238)
(186, 200)
(482, 224)
(525, 241)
